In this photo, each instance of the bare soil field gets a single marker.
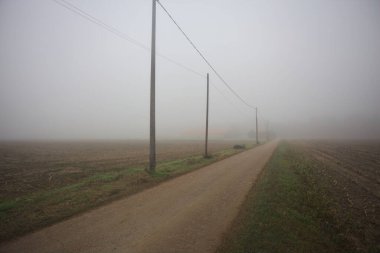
(353, 168)
(26, 167)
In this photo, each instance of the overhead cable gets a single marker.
(203, 57)
(117, 32)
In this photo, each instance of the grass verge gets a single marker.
(288, 210)
(30, 212)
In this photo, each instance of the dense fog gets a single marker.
(311, 68)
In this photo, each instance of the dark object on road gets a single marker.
(238, 146)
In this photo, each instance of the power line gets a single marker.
(203, 57)
(73, 8)
(227, 99)
(117, 32)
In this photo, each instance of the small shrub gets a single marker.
(238, 146)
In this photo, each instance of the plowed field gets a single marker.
(354, 169)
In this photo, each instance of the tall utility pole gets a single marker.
(206, 139)
(152, 147)
(257, 129)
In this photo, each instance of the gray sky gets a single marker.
(312, 68)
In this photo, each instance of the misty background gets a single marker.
(311, 67)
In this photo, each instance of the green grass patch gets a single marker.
(286, 211)
(181, 166)
(7, 205)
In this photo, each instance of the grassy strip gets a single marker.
(287, 211)
(21, 215)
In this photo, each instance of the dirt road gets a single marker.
(186, 214)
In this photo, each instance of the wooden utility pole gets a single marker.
(257, 129)
(206, 138)
(152, 147)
